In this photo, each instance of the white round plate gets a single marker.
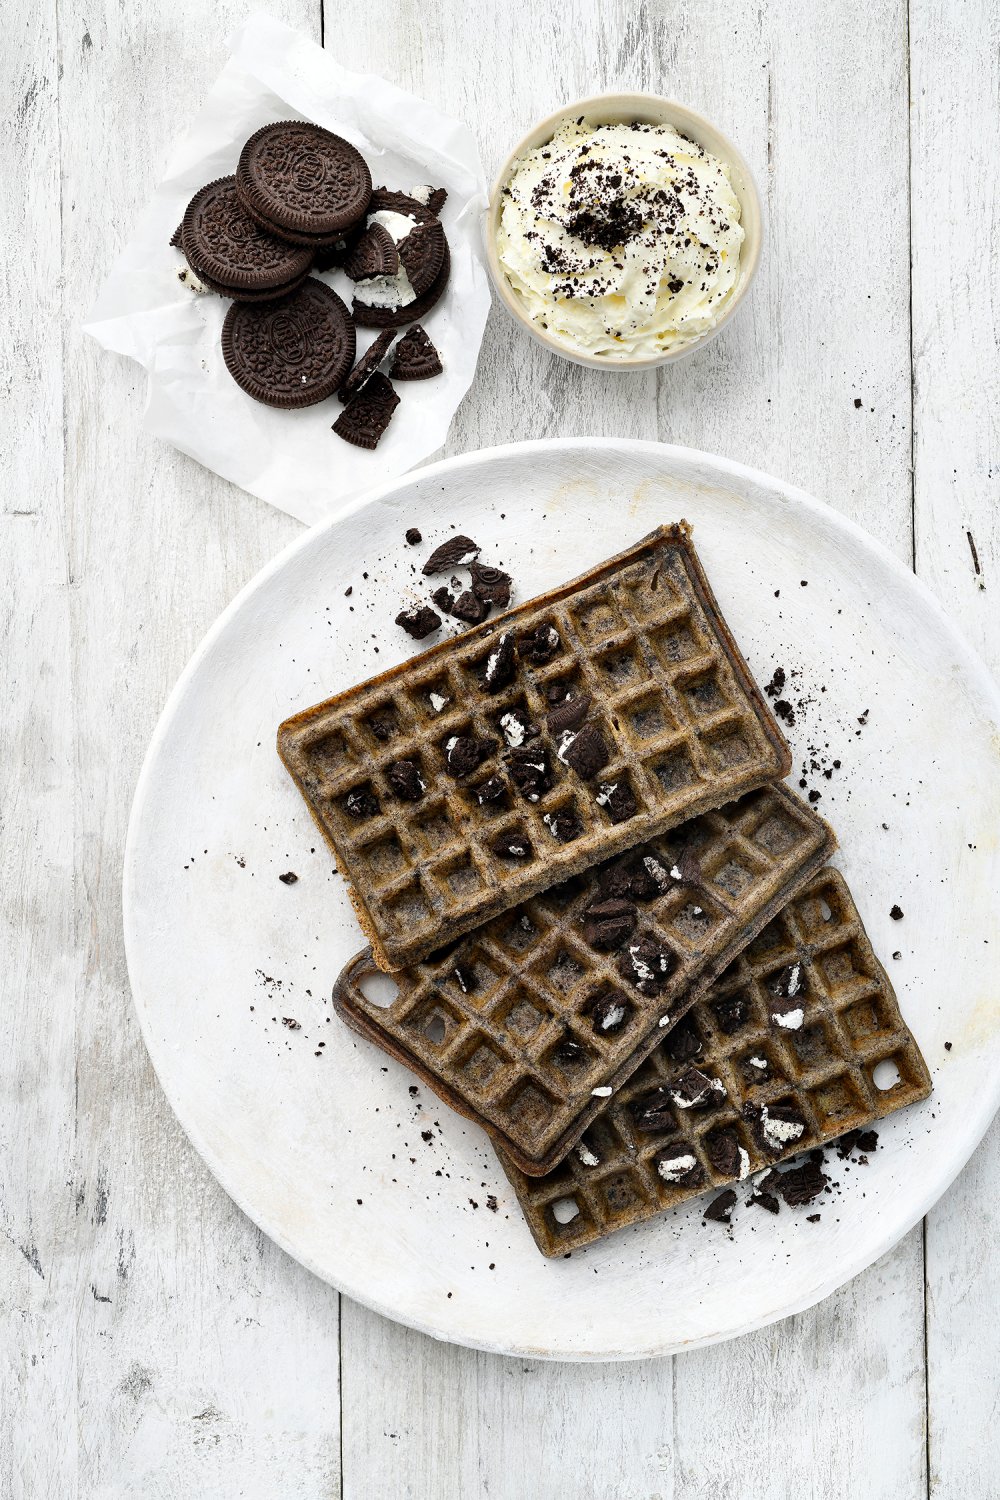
(316, 1134)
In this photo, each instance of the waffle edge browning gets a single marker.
(485, 1025)
(686, 726)
(824, 1069)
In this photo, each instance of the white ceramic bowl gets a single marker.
(613, 109)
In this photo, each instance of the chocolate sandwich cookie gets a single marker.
(416, 359)
(367, 364)
(230, 253)
(397, 317)
(374, 254)
(303, 180)
(293, 352)
(365, 419)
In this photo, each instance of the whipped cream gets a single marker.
(621, 240)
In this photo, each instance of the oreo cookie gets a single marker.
(416, 358)
(374, 254)
(229, 252)
(292, 352)
(367, 316)
(367, 364)
(303, 180)
(366, 418)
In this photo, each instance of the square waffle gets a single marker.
(527, 1027)
(807, 1059)
(684, 726)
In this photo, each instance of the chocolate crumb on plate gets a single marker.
(800, 1185)
(457, 552)
(720, 1209)
(364, 420)
(413, 536)
(416, 357)
(418, 622)
(289, 877)
(491, 585)
(444, 599)
(469, 609)
(765, 1200)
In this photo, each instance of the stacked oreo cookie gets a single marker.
(302, 200)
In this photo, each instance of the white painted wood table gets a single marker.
(152, 1342)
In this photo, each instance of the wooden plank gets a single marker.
(206, 1362)
(956, 332)
(36, 788)
(777, 390)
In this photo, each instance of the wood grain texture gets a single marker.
(152, 1343)
(954, 91)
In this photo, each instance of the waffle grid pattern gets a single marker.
(684, 725)
(825, 1068)
(487, 1025)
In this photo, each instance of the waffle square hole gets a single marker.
(621, 667)
(598, 1145)
(837, 1104)
(776, 835)
(434, 698)
(676, 642)
(567, 1216)
(865, 1018)
(703, 694)
(385, 859)
(735, 876)
(480, 1064)
(773, 946)
(811, 1047)
(521, 934)
(821, 914)
(596, 616)
(523, 1017)
(432, 827)
(674, 771)
(692, 921)
(891, 1075)
(649, 718)
(459, 877)
(621, 1194)
(568, 1060)
(409, 910)
(434, 1021)
(839, 970)
(529, 1108)
(330, 756)
(729, 748)
(381, 725)
(561, 973)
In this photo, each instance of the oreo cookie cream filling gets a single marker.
(389, 291)
(621, 240)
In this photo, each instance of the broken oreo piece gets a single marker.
(683, 1043)
(800, 1185)
(366, 365)
(569, 715)
(465, 753)
(418, 622)
(366, 418)
(678, 1164)
(512, 845)
(539, 645)
(647, 966)
(444, 599)
(406, 781)
(516, 728)
(361, 803)
(374, 254)
(720, 1210)
(491, 585)
(609, 924)
(723, 1147)
(499, 670)
(490, 793)
(456, 552)
(469, 609)
(618, 800)
(730, 1012)
(654, 1112)
(696, 1090)
(416, 357)
(608, 1013)
(564, 825)
(289, 878)
(584, 751)
(530, 772)
(413, 536)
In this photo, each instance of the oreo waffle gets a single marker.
(530, 1023)
(561, 733)
(780, 1055)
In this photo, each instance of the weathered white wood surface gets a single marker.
(151, 1342)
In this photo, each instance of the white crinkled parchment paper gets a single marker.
(292, 459)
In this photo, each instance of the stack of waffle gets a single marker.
(615, 939)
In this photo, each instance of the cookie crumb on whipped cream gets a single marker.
(621, 240)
